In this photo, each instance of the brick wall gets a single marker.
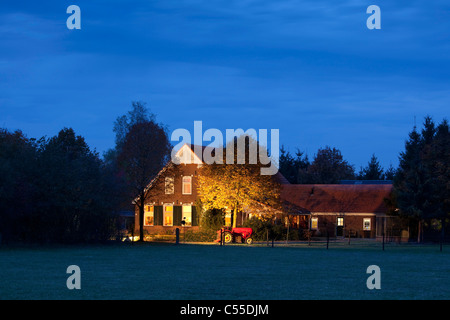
(158, 198)
(351, 223)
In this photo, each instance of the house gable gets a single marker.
(187, 155)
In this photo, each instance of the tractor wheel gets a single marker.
(227, 237)
(249, 240)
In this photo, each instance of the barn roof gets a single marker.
(338, 198)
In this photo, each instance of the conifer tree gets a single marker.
(373, 170)
(421, 183)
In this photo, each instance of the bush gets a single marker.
(212, 220)
(259, 227)
(202, 235)
(275, 231)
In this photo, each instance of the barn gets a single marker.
(340, 209)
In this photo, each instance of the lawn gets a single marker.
(188, 271)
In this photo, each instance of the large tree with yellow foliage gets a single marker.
(238, 186)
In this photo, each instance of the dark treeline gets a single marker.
(59, 190)
(55, 190)
(328, 167)
(425, 151)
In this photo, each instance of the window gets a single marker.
(168, 216)
(228, 217)
(340, 222)
(148, 216)
(314, 223)
(187, 215)
(366, 224)
(187, 185)
(169, 185)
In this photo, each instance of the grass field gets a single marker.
(166, 271)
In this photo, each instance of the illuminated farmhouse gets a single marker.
(338, 210)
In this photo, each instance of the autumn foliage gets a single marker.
(237, 187)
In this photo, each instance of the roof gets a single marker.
(280, 178)
(338, 198)
(293, 209)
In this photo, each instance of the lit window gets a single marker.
(340, 222)
(169, 185)
(148, 216)
(187, 215)
(228, 217)
(187, 185)
(366, 224)
(314, 223)
(168, 215)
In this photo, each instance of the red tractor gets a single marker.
(237, 235)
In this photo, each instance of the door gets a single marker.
(340, 227)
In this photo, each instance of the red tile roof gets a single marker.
(337, 198)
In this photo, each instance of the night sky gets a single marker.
(311, 69)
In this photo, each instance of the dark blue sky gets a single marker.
(309, 68)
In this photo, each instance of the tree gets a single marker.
(373, 170)
(439, 162)
(128, 127)
(293, 167)
(421, 183)
(74, 200)
(237, 186)
(139, 113)
(329, 167)
(389, 173)
(409, 180)
(286, 165)
(17, 168)
(143, 153)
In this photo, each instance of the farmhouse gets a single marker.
(336, 210)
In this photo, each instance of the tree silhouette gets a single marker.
(373, 170)
(421, 184)
(329, 167)
(144, 152)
